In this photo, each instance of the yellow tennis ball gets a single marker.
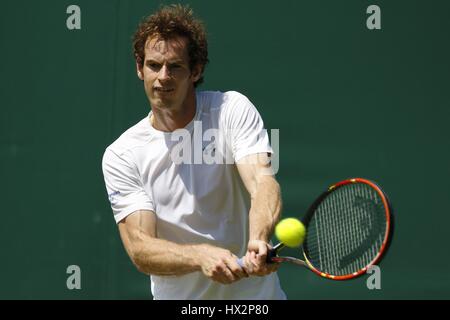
(291, 232)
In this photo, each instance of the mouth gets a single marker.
(163, 90)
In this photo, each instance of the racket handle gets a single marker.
(272, 253)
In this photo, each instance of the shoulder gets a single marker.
(136, 136)
(225, 104)
(235, 96)
(219, 99)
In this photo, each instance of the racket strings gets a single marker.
(347, 230)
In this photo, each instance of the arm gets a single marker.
(161, 257)
(265, 209)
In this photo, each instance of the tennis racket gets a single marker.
(349, 228)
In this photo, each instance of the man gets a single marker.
(186, 223)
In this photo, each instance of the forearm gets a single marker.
(265, 209)
(165, 258)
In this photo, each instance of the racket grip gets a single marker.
(272, 253)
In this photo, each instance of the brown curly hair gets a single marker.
(168, 22)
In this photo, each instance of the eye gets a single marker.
(154, 66)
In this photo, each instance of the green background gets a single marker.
(348, 102)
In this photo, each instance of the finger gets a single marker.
(254, 262)
(268, 268)
(253, 259)
(228, 274)
(235, 268)
(248, 264)
(221, 278)
(222, 274)
(272, 267)
(262, 253)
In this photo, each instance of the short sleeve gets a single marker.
(245, 128)
(125, 191)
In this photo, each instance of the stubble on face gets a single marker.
(166, 72)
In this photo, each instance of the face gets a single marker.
(168, 79)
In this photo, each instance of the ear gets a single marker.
(139, 71)
(196, 72)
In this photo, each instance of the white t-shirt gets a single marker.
(194, 201)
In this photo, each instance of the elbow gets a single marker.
(139, 263)
(141, 268)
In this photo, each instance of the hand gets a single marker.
(220, 264)
(255, 259)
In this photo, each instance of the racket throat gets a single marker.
(290, 260)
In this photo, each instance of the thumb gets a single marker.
(262, 252)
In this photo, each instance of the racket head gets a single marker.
(349, 229)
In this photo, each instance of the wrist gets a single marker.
(259, 237)
(197, 252)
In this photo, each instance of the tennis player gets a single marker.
(185, 223)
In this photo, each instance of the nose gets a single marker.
(164, 73)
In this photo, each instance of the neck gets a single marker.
(169, 120)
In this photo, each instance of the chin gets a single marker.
(161, 103)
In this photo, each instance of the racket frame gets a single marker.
(273, 254)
